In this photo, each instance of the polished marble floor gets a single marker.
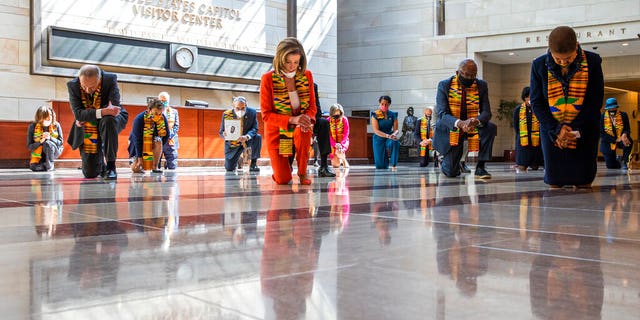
(198, 243)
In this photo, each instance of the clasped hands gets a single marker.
(624, 139)
(110, 110)
(303, 121)
(468, 125)
(45, 136)
(425, 142)
(566, 137)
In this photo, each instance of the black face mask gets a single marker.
(336, 116)
(466, 82)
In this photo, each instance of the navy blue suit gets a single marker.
(606, 140)
(136, 137)
(108, 126)
(250, 128)
(446, 122)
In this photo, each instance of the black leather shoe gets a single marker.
(464, 168)
(254, 168)
(481, 173)
(325, 173)
(111, 175)
(156, 171)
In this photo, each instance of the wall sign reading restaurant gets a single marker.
(597, 33)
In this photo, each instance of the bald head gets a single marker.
(467, 63)
(563, 40)
(467, 72)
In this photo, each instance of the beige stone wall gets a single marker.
(392, 48)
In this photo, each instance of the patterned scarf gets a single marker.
(473, 111)
(282, 104)
(91, 127)
(425, 133)
(524, 129)
(566, 106)
(171, 120)
(613, 126)
(230, 115)
(336, 127)
(151, 124)
(36, 154)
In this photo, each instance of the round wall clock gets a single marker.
(184, 57)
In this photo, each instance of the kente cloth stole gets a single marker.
(524, 129)
(613, 126)
(171, 120)
(425, 133)
(230, 115)
(473, 111)
(36, 154)
(91, 127)
(282, 104)
(566, 106)
(336, 127)
(151, 124)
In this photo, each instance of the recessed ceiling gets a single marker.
(604, 49)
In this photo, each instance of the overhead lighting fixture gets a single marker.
(625, 44)
(511, 53)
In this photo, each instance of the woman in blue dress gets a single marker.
(385, 135)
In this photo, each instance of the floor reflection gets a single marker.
(47, 209)
(566, 279)
(292, 240)
(94, 262)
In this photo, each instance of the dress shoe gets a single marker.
(464, 168)
(325, 172)
(111, 175)
(254, 168)
(157, 171)
(481, 173)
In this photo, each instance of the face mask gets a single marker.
(466, 82)
(336, 116)
(289, 74)
(165, 103)
(240, 113)
(384, 108)
(46, 123)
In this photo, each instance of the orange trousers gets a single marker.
(280, 164)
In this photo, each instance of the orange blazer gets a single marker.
(271, 119)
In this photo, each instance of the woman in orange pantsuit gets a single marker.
(288, 107)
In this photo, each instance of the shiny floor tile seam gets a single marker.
(528, 230)
(572, 209)
(575, 258)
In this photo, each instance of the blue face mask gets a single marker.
(165, 103)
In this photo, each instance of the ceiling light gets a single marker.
(511, 53)
(625, 44)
